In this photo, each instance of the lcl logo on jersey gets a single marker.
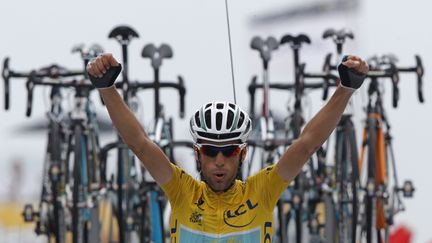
(241, 210)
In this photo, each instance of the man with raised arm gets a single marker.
(220, 208)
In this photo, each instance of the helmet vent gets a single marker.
(208, 105)
(219, 106)
(219, 120)
(247, 126)
(232, 106)
(240, 122)
(230, 119)
(207, 118)
(197, 120)
(219, 136)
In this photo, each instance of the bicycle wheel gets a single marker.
(282, 232)
(330, 220)
(94, 184)
(370, 202)
(346, 182)
(145, 225)
(55, 174)
(294, 217)
(79, 174)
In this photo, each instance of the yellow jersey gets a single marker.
(244, 213)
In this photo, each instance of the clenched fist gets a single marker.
(352, 72)
(103, 70)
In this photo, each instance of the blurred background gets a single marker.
(39, 33)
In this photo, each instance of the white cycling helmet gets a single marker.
(220, 122)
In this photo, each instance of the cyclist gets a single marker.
(220, 208)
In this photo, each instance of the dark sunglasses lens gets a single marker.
(212, 151)
(209, 150)
(230, 151)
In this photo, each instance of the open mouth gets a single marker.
(219, 176)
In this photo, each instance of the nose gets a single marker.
(220, 160)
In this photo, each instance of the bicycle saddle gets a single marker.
(265, 47)
(339, 35)
(295, 41)
(123, 33)
(157, 54)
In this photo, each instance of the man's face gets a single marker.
(219, 170)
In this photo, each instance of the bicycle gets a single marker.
(143, 198)
(51, 213)
(85, 179)
(380, 205)
(52, 216)
(265, 133)
(81, 139)
(126, 172)
(275, 146)
(346, 172)
(309, 188)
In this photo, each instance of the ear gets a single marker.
(197, 158)
(196, 153)
(243, 154)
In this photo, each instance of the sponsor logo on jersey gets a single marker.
(196, 218)
(245, 208)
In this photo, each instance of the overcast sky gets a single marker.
(37, 33)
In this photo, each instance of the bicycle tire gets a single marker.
(370, 199)
(282, 233)
(330, 219)
(77, 224)
(299, 222)
(354, 176)
(120, 195)
(94, 180)
(296, 124)
(54, 145)
(346, 176)
(145, 226)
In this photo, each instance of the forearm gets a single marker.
(314, 134)
(319, 128)
(123, 119)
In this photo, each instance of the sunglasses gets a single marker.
(227, 150)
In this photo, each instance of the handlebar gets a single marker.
(180, 143)
(391, 73)
(33, 80)
(141, 85)
(280, 85)
(418, 69)
(5, 76)
(52, 71)
(269, 145)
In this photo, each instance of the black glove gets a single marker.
(107, 79)
(350, 79)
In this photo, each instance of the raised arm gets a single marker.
(319, 128)
(130, 130)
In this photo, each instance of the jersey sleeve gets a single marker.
(269, 184)
(179, 187)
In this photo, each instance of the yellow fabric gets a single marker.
(244, 213)
(11, 216)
